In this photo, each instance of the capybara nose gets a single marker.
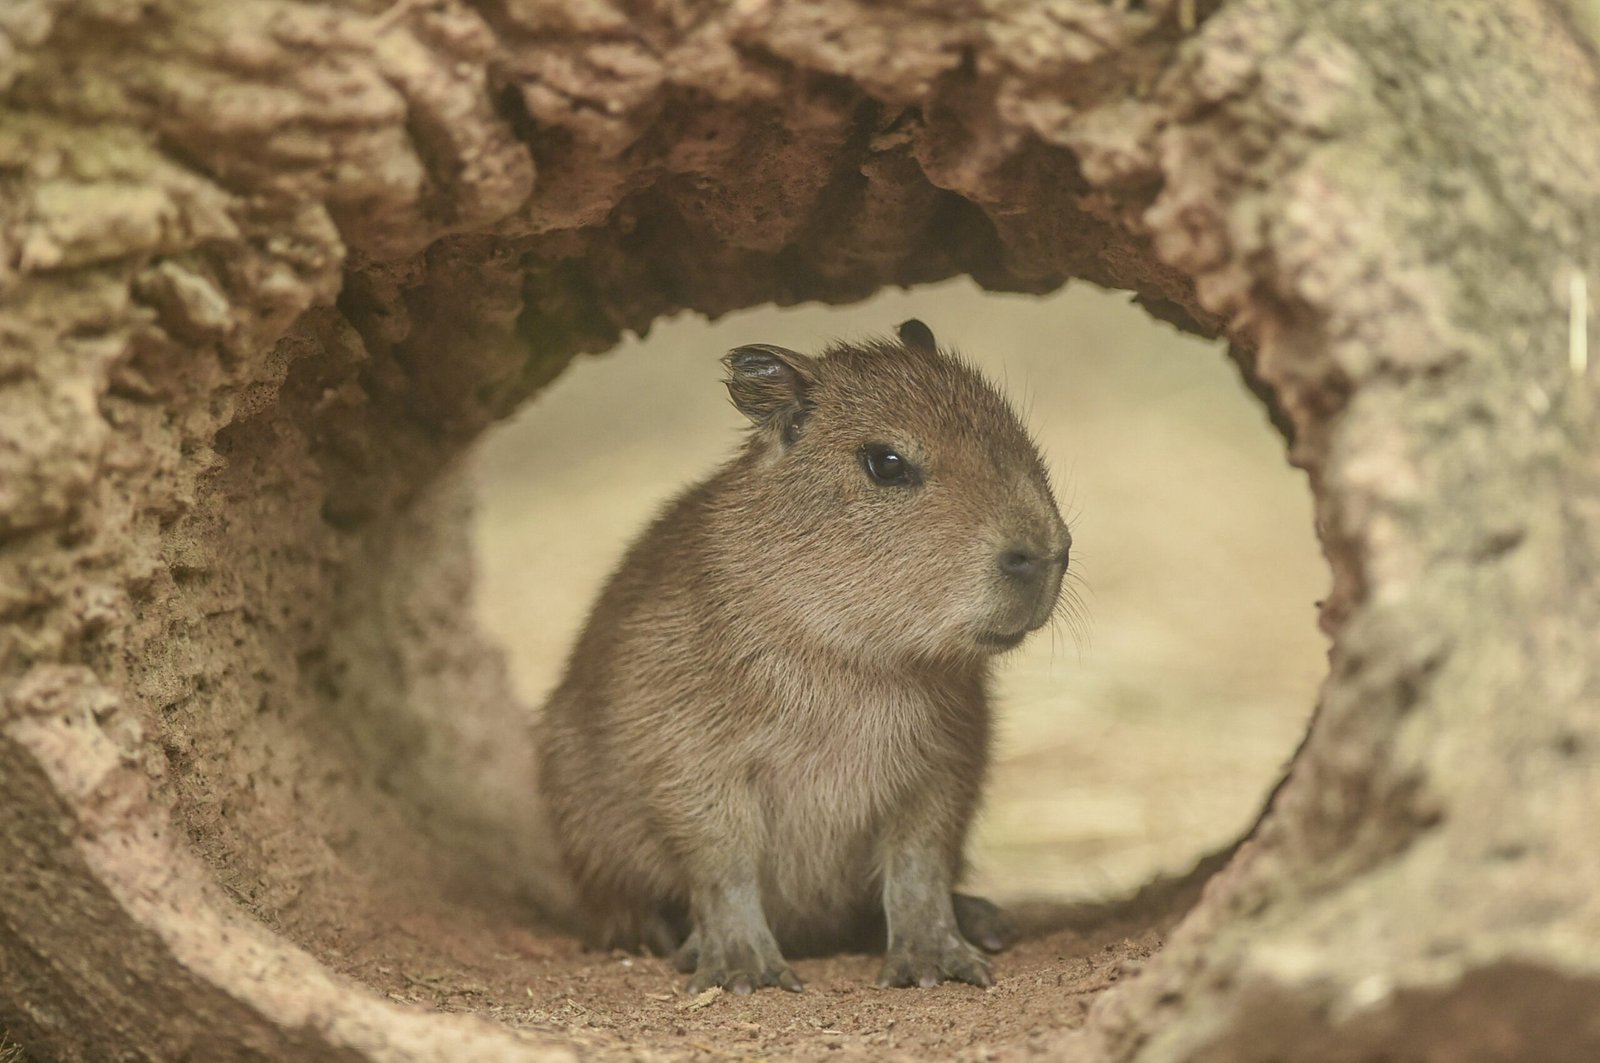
(1021, 564)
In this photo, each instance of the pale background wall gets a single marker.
(1135, 749)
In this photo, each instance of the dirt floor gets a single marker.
(622, 1007)
(618, 1006)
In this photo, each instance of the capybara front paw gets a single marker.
(738, 967)
(950, 960)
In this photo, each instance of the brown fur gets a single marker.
(774, 728)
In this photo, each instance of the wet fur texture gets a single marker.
(774, 730)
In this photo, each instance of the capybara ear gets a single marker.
(771, 385)
(917, 336)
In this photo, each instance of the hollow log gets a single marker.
(267, 268)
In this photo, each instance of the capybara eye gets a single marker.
(886, 466)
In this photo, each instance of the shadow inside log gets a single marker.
(1157, 905)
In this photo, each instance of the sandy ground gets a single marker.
(613, 1006)
(1128, 748)
(618, 1007)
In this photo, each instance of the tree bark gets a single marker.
(267, 268)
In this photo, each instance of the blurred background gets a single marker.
(1131, 748)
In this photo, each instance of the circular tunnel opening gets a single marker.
(1138, 734)
(1135, 739)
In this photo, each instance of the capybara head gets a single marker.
(891, 501)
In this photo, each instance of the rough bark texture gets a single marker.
(266, 267)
